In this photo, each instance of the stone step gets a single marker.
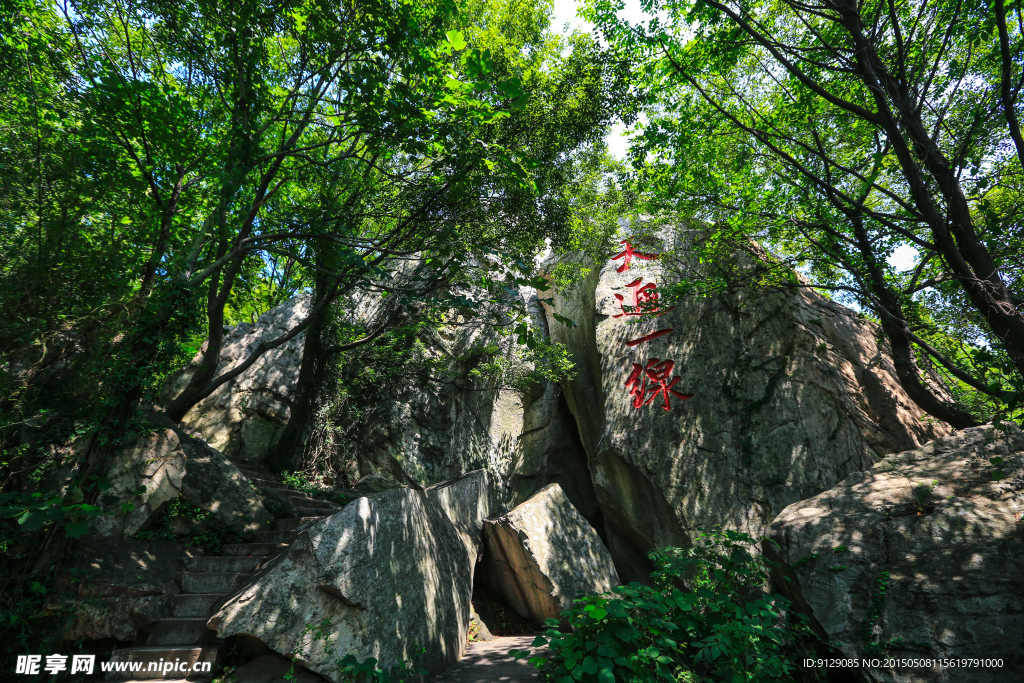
(270, 536)
(160, 662)
(221, 564)
(317, 504)
(194, 604)
(211, 582)
(252, 549)
(180, 631)
(293, 523)
(269, 484)
(314, 512)
(302, 495)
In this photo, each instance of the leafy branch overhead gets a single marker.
(875, 147)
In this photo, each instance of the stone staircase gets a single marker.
(183, 638)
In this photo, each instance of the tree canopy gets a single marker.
(171, 168)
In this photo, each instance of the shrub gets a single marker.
(704, 618)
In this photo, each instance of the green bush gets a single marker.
(704, 618)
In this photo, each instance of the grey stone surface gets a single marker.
(543, 553)
(245, 415)
(121, 586)
(145, 475)
(950, 538)
(490, 662)
(167, 463)
(385, 577)
(214, 483)
(791, 393)
(525, 437)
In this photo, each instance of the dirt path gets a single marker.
(491, 663)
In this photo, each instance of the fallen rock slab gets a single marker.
(167, 463)
(543, 553)
(917, 557)
(389, 576)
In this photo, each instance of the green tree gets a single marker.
(168, 168)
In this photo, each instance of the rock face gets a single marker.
(122, 586)
(168, 463)
(214, 483)
(790, 393)
(422, 433)
(525, 438)
(247, 414)
(153, 468)
(950, 539)
(384, 577)
(543, 553)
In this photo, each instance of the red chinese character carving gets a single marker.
(629, 253)
(648, 337)
(658, 373)
(636, 385)
(645, 299)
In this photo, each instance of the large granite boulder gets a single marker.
(389, 576)
(120, 587)
(247, 414)
(142, 478)
(724, 409)
(543, 554)
(921, 554)
(166, 463)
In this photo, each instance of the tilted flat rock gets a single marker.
(543, 553)
(145, 475)
(951, 540)
(385, 577)
(167, 463)
(790, 393)
(214, 483)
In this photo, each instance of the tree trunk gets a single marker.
(894, 324)
(287, 452)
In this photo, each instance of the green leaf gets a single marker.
(456, 40)
(76, 529)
